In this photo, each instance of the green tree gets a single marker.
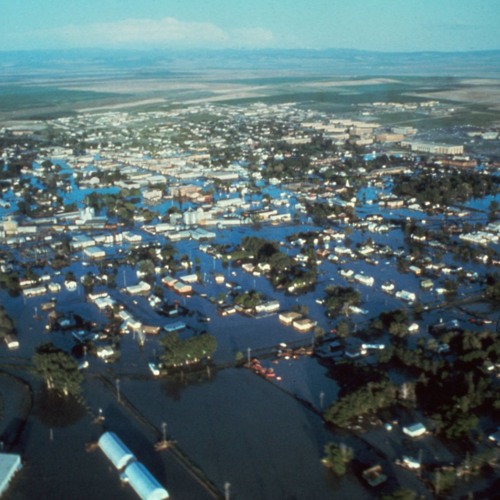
(88, 281)
(189, 351)
(401, 494)
(6, 323)
(343, 329)
(58, 369)
(368, 398)
(337, 457)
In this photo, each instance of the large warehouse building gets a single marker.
(10, 463)
(141, 480)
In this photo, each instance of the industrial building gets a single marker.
(143, 483)
(141, 480)
(427, 147)
(116, 451)
(10, 463)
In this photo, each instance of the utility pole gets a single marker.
(321, 399)
(118, 397)
(226, 490)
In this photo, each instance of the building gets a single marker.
(174, 327)
(415, 430)
(11, 342)
(116, 451)
(289, 317)
(304, 324)
(10, 463)
(182, 288)
(94, 252)
(32, 292)
(143, 482)
(141, 287)
(364, 280)
(189, 278)
(427, 147)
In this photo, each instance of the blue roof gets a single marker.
(115, 450)
(9, 464)
(144, 484)
(173, 327)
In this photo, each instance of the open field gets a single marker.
(58, 84)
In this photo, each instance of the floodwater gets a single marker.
(264, 438)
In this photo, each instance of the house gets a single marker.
(364, 280)
(105, 352)
(54, 287)
(271, 306)
(189, 278)
(415, 430)
(426, 284)
(94, 252)
(36, 290)
(11, 341)
(174, 327)
(169, 281)
(374, 475)
(182, 288)
(132, 237)
(104, 302)
(413, 328)
(407, 296)
(150, 330)
(141, 287)
(304, 324)
(288, 317)
(495, 437)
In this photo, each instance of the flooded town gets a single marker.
(252, 298)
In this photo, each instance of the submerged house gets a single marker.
(415, 430)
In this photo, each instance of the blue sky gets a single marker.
(382, 25)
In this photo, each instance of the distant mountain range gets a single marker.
(333, 62)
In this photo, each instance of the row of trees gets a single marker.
(337, 457)
(339, 299)
(285, 272)
(9, 280)
(367, 399)
(58, 369)
(460, 391)
(445, 188)
(183, 352)
(453, 392)
(6, 323)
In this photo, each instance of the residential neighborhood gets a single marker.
(351, 263)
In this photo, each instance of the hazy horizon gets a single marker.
(385, 25)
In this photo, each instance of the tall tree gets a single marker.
(58, 369)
